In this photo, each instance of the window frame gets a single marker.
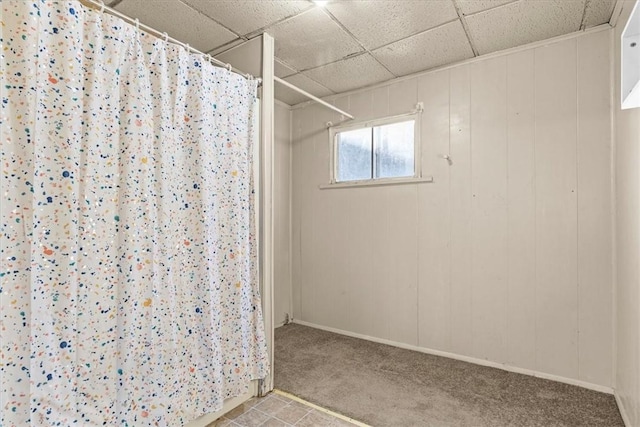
(417, 150)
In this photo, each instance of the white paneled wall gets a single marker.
(556, 237)
(521, 190)
(282, 204)
(594, 179)
(506, 256)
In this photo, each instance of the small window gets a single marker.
(377, 150)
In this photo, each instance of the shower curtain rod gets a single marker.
(98, 4)
(314, 98)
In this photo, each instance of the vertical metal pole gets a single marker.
(267, 107)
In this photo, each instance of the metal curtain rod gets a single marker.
(98, 4)
(314, 98)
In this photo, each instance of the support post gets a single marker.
(267, 106)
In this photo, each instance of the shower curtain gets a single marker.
(128, 278)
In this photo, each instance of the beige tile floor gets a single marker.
(275, 410)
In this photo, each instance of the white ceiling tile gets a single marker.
(351, 73)
(312, 39)
(598, 12)
(523, 22)
(289, 96)
(247, 16)
(379, 22)
(282, 70)
(440, 46)
(292, 97)
(467, 7)
(179, 21)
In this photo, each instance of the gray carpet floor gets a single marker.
(388, 386)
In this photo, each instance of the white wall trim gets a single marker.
(228, 406)
(533, 45)
(476, 361)
(622, 409)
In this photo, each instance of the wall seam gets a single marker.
(290, 146)
(417, 241)
(614, 208)
(508, 229)
(418, 228)
(450, 340)
(300, 240)
(471, 205)
(535, 210)
(577, 189)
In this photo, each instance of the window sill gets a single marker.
(376, 183)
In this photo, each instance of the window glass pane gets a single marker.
(394, 150)
(354, 155)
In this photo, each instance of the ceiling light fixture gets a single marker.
(321, 3)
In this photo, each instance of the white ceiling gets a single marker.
(351, 44)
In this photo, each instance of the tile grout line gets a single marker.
(288, 404)
(270, 417)
(303, 417)
(284, 399)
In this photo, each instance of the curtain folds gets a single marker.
(128, 282)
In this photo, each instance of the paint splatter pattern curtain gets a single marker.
(128, 279)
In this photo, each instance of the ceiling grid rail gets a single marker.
(465, 27)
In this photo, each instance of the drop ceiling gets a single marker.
(347, 45)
